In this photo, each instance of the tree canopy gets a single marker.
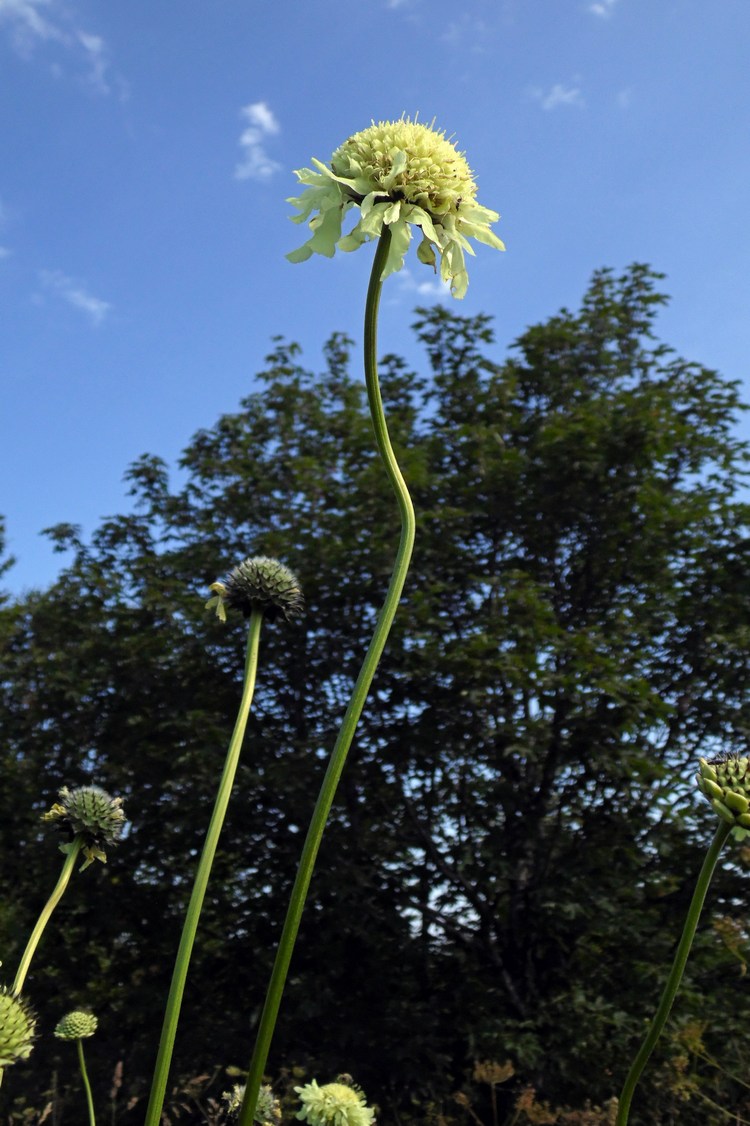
(517, 833)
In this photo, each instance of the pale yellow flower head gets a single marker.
(333, 1104)
(400, 174)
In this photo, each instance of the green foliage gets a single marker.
(517, 835)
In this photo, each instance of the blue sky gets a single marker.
(148, 148)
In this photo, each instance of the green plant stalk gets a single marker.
(67, 871)
(86, 1084)
(356, 704)
(190, 926)
(675, 975)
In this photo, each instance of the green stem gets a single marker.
(86, 1084)
(675, 975)
(356, 704)
(190, 926)
(67, 871)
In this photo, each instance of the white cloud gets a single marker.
(32, 23)
(558, 95)
(4, 252)
(27, 24)
(602, 8)
(467, 30)
(96, 53)
(428, 285)
(256, 164)
(75, 295)
(624, 98)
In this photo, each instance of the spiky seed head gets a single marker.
(76, 1025)
(259, 583)
(267, 1109)
(17, 1025)
(725, 781)
(90, 813)
(333, 1104)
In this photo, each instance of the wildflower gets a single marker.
(76, 1026)
(334, 1104)
(261, 584)
(267, 1109)
(400, 174)
(725, 781)
(88, 812)
(17, 1024)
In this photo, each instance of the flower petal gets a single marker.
(400, 239)
(426, 254)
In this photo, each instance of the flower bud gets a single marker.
(17, 1024)
(90, 813)
(725, 781)
(76, 1026)
(259, 583)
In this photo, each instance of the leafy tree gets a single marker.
(516, 835)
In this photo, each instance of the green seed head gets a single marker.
(334, 1104)
(17, 1024)
(261, 584)
(76, 1026)
(725, 781)
(90, 813)
(267, 1110)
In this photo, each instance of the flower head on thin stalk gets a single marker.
(90, 813)
(400, 174)
(725, 781)
(17, 1024)
(77, 1025)
(259, 583)
(267, 1109)
(334, 1104)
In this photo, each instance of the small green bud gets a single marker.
(736, 802)
(17, 1024)
(725, 781)
(707, 770)
(723, 811)
(88, 812)
(710, 789)
(76, 1026)
(261, 584)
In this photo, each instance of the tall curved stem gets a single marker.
(71, 856)
(675, 974)
(190, 926)
(86, 1084)
(357, 702)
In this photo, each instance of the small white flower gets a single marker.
(400, 174)
(267, 1109)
